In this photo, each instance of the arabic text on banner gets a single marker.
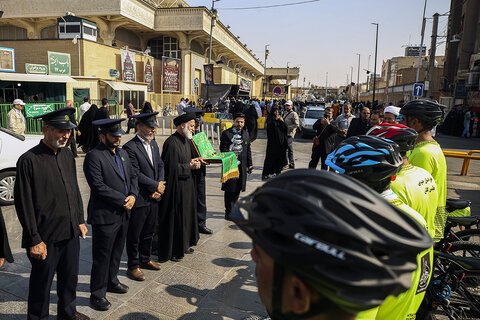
(128, 65)
(228, 159)
(171, 74)
(149, 75)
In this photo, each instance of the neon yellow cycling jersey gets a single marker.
(429, 156)
(417, 189)
(405, 306)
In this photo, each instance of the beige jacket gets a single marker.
(291, 120)
(16, 121)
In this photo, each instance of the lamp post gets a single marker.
(421, 43)
(358, 75)
(326, 85)
(375, 66)
(212, 23)
(264, 88)
(286, 83)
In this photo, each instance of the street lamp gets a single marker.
(213, 17)
(286, 82)
(358, 75)
(264, 89)
(375, 68)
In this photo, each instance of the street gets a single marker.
(218, 280)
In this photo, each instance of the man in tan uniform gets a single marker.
(15, 118)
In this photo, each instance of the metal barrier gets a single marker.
(212, 130)
(463, 155)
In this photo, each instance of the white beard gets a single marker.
(187, 133)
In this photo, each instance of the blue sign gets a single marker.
(277, 91)
(460, 90)
(418, 89)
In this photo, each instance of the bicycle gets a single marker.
(448, 293)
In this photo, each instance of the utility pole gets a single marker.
(358, 76)
(375, 68)
(421, 43)
(326, 85)
(264, 89)
(433, 49)
(286, 84)
(213, 17)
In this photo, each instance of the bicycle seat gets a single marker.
(464, 221)
(469, 264)
(458, 203)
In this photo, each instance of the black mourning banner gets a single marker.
(171, 74)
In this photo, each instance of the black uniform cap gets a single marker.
(148, 119)
(111, 126)
(58, 119)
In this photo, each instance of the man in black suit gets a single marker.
(236, 140)
(148, 165)
(359, 126)
(114, 188)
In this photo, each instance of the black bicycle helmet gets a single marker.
(369, 159)
(429, 112)
(339, 236)
(402, 135)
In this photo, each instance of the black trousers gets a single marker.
(62, 258)
(72, 143)
(316, 154)
(230, 199)
(201, 200)
(141, 229)
(108, 241)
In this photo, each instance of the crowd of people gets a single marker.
(382, 173)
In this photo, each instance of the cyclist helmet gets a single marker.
(339, 236)
(428, 112)
(369, 159)
(402, 135)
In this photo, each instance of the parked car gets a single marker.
(307, 119)
(12, 146)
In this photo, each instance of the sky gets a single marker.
(325, 36)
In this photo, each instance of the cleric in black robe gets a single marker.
(87, 136)
(275, 156)
(251, 117)
(236, 140)
(177, 223)
(5, 252)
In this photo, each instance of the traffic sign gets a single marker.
(277, 91)
(418, 89)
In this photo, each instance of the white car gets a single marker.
(307, 119)
(12, 146)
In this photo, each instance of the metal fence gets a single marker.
(33, 126)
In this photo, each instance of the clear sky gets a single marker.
(325, 36)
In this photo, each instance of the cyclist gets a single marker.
(374, 161)
(413, 185)
(325, 246)
(422, 116)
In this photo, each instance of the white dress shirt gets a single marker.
(147, 147)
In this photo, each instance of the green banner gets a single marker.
(36, 68)
(227, 159)
(33, 110)
(59, 63)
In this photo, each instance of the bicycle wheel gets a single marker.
(465, 248)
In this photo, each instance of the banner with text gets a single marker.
(245, 85)
(208, 69)
(171, 74)
(7, 59)
(33, 110)
(128, 66)
(148, 74)
(59, 63)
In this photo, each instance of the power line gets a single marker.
(272, 6)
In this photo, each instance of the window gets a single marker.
(49, 32)
(128, 37)
(12, 33)
(164, 47)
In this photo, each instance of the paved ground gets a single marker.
(217, 281)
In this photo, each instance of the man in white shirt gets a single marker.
(180, 106)
(84, 107)
(343, 121)
(15, 118)
(257, 108)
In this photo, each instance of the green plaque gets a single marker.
(33, 110)
(59, 63)
(36, 68)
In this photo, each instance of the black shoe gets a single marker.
(227, 217)
(205, 230)
(291, 166)
(175, 259)
(190, 251)
(101, 304)
(119, 288)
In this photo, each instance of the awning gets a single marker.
(122, 86)
(34, 78)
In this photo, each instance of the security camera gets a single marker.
(68, 13)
